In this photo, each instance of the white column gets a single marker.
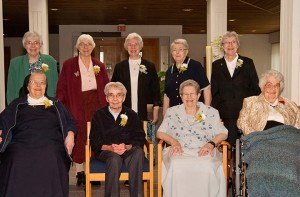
(2, 78)
(290, 48)
(38, 21)
(216, 27)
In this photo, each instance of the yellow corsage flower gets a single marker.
(48, 103)
(124, 119)
(45, 67)
(200, 117)
(97, 69)
(183, 68)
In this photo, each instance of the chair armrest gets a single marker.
(221, 147)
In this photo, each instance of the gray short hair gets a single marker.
(180, 41)
(228, 35)
(88, 37)
(274, 73)
(117, 85)
(33, 35)
(189, 82)
(133, 36)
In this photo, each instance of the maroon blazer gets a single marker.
(69, 86)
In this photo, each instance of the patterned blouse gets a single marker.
(192, 132)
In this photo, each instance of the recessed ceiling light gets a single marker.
(125, 8)
(202, 30)
(231, 20)
(54, 9)
(187, 10)
(5, 19)
(254, 30)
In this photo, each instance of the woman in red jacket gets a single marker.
(81, 88)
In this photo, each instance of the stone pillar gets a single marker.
(290, 48)
(38, 21)
(216, 27)
(2, 78)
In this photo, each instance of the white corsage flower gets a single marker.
(124, 119)
(239, 63)
(143, 69)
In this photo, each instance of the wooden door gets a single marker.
(112, 51)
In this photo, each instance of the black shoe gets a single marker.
(80, 178)
(126, 183)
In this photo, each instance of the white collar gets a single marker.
(33, 101)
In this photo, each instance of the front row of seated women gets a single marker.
(37, 138)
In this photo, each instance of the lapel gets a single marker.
(77, 74)
(224, 69)
(127, 76)
(142, 77)
(237, 69)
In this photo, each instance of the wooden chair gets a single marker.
(222, 147)
(99, 175)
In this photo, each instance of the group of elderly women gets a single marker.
(38, 133)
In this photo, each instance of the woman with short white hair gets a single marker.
(80, 87)
(140, 79)
(183, 69)
(20, 67)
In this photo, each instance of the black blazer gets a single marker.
(148, 86)
(228, 92)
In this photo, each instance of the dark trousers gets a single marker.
(233, 131)
(133, 160)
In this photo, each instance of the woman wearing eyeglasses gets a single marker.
(233, 78)
(183, 69)
(81, 88)
(21, 66)
(273, 109)
(36, 142)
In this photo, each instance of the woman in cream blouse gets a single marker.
(268, 109)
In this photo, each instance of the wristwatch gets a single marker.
(212, 143)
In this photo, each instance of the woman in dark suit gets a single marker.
(81, 88)
(140, 79)
(183, 69)
(233, 78)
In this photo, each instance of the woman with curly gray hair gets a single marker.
(273, 109)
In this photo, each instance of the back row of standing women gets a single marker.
(83, 78)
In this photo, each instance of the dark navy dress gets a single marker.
(35, 163)
(195, 71)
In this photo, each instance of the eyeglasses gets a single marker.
(112, 96)
(230, 43)
(82, 44)
(132, 44)
(35, 43)
(36, 83)
(178, 50)
(271, 86)
(185, 95)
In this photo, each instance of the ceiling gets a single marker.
(251, 16)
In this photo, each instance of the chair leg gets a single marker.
(151, 187)
(88, 189)
(145, 188)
